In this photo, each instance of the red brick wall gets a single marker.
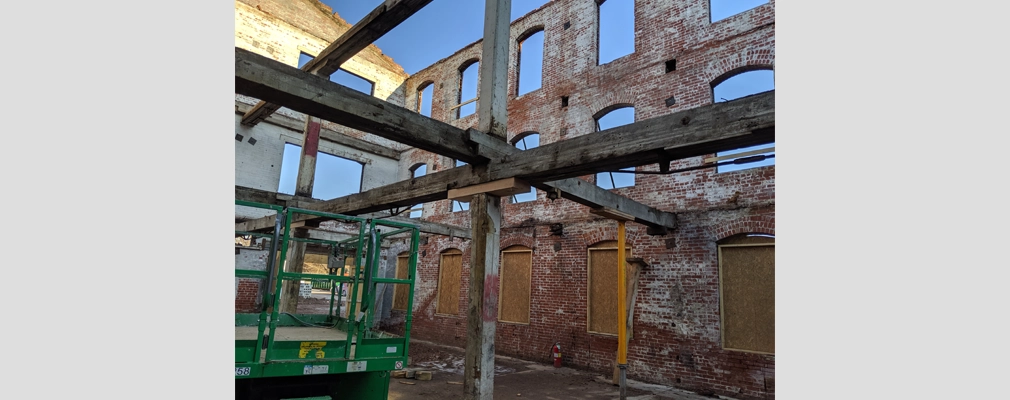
(247, 299)
(676, 319)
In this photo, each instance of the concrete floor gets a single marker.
(517, 379)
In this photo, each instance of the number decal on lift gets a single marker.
(242, 371)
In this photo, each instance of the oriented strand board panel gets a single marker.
(603, 291)
(316, 264)
(450, 273)
(748, 297)
(514, 304)
(400, 291)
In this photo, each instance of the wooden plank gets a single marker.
(324, 133)
(267, 197)
(747, 297)
(400, 291)
(514, 297)
(500, 188)
(272, 81)
(613, 214)
(602, 291)
(450, 274)
(377, 23)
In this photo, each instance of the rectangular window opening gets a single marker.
(353, 81)
(616, 30)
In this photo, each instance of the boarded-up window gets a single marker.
(450, 273)
(747, 293)
(401, 292)
(514, 294)
(603, 287)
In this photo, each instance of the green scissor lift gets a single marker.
(320, 355)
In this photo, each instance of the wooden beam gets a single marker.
(280, 199)
(324, 133)
(613, 214)
(381, 20)
(269, 80)
(696, 132)
(485, 209)
(307, 160)
(500, 188)
(700, 131)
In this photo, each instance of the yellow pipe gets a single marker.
(622, 319)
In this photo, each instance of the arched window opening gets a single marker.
(466, 100)
(424, 99)
(622, 115)
(526, 142)
(732, 86)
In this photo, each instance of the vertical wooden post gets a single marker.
(303, 187)
(307, 161)
(294, 263)
(622, 318)
(485, 211)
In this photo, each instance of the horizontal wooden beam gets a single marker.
(262, 196)
(705, 130)
(500, 188)
(743, 122)
(269, 80)
(583, 192)
(381, 20)
(326, 134)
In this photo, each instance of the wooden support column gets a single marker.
(294, 263)
(485, 210)
(307, 161)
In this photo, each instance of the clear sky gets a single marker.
(423, 39)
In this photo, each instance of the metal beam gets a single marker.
(280, 199)
(381, 20)
(270, 80)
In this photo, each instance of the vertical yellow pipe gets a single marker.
(622, 319)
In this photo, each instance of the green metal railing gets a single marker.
(359, 277)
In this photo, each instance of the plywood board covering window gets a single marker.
(450, 273)
(747, 295)
(514, 295)
(603, 283)
(401, 291)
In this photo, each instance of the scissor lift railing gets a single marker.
(288, 344)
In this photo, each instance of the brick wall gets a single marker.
(676, 319)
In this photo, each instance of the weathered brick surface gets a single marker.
(676, 319)
(677, 324)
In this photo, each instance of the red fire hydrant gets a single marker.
(556, 352)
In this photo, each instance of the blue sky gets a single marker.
(422, 40)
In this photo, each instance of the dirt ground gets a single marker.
(516, 379)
